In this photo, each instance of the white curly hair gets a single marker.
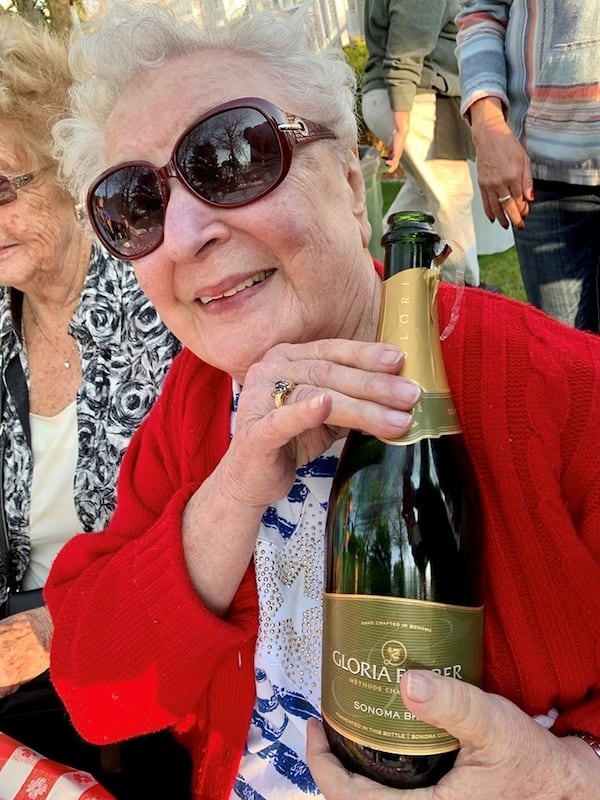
(107, 54)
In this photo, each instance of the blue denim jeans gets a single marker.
(559, 252)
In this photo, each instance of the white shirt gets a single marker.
(53, 519)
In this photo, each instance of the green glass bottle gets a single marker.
(403, 536)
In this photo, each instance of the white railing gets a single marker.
(336, 21)
(330, 16)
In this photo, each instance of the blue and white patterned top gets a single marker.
(289, 562)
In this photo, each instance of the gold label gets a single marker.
(409, 320)
(368, 644)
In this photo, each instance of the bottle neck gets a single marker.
(408, 319)
(410, 253)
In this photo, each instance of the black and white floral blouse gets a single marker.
(125, 352)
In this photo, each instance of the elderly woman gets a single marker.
(82, 357)
(199, 607)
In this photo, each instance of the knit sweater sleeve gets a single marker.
(480, 46)
(527, 390)
(133, 648)
(580, 491)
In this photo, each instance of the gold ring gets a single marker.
(505, 199)
(281, 391)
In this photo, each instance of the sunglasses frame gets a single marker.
(20, 182)
(290, 130)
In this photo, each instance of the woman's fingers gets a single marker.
(335, 782)
(299, 399)
(376, 417)
(504, 755)
(361, 379)
(322, 354)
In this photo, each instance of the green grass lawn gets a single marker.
(501, 269)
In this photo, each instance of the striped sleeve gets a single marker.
(480, 50)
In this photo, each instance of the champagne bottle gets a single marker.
(402, 571)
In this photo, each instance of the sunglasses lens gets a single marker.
(127, 211)
(7, 191)
(231, 158)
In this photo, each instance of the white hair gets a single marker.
(107, 54)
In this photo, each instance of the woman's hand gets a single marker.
(24, 644)
(339, 384)
(505, 755)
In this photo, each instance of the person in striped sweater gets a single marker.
(530, 84)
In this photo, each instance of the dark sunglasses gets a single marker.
(235, 154)
(10, 186)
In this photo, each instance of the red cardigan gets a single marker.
(134, 650)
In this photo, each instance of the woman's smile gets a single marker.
(247, 283)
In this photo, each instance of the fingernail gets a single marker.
(407, 391)
(418, 686)
(391, 357)
(400, 420)
(316, 402)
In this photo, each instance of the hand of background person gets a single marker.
(396, 143)
(505, 755)
(24, 646)
(503, 166)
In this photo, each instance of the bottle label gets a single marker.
(409, 320)
(368, 644)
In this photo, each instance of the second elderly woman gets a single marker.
(82, 358)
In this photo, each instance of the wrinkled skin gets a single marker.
(505, 755)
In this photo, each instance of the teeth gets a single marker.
(258, 278)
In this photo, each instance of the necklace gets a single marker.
(66, 358)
